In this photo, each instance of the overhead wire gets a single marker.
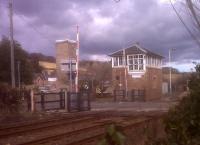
(192, 10)
(184, 24)
(34, 28)
(195, 28)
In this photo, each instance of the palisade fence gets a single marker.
(49, 101)
(133, 95)
(78, 101)
(138, 95)
(119, 95)
(71, 101)
(17, 100)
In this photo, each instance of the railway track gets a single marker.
(82, 136)
(70, 136)
(34, 128)
(44, 124)
(76, 130)
(92, 140)
(17, 134)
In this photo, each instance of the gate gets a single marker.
(49, 101)
(78, 101)
(119, 95)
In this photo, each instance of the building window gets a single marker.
(130, 63)
(120, 61)
(141, 62)
(66, 67)
(136, 62)
(115, 61)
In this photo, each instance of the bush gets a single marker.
(113, 136)
(11, 99)
(182, 124)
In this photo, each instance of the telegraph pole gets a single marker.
(77, 58)
(170, 71)
(19, 78)
(170, 74)
(70, 74)
(125, 72)
(12, 64)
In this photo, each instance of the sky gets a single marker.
(105, 26)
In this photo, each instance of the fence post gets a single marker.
(32, 101)
(89, 105)
(124, 94)
(66, 100)
(133, 95)
(79, 95)
(61, 99)
(42, 101)
(144, 95)
(115, 99)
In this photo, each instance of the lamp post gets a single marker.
(170, 71)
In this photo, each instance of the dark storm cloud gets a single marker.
(105, 26)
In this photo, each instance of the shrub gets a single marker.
(113, 136)
(182, 124)
(11, 99)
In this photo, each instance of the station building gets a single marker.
(136, 68)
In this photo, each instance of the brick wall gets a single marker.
(64, 50)
(151, 82)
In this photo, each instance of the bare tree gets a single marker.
(194, 9)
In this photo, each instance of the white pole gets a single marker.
(125, 73)
(70, 74)
(19, 79)
(77, 58)
(120, 80)
(170, 74)
(12, 65)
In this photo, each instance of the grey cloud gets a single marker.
(154, 25)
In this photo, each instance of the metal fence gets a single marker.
(119, 95)
(78, 101)
(133, 95)
(49, 101)
(138, 95)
